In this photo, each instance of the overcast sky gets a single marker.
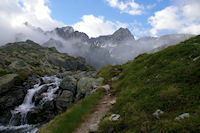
(102, 17)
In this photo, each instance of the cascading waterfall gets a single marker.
(52, 82)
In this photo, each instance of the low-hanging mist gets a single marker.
(117, 48)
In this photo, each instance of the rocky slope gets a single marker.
(37, 83)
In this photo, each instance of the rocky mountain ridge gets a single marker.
(117, 48)
(104, 50)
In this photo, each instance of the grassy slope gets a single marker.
(72, 118)
(168, 80)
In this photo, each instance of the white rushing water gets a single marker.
(19, 129)
(52, 83)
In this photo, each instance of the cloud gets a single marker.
(138, 29)
(95, 26)
(182, 17)
(130, 7)
(14, 13)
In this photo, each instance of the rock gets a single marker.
(93, 128)
(69, 83)
(86, 85)
(114, 78)
(113, 102)
(196, 58)
(99, 81)
(106, 87)
(182, 116)
(114, 117)
(44, 114)
(157, 113)
(9, 101)
(38, 95)
(64, 101)
(7, 82)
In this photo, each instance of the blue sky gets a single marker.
(71, 11)
(102, 17)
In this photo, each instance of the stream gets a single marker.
(19, 114)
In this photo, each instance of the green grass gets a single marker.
(108, 72)
(168, 80)
(73, 117)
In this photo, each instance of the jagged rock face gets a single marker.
(122, 34)
(92, 49)
(68, 33)
(53, 43)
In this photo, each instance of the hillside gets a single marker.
(38, 83)
(31, 57)
(167, 82)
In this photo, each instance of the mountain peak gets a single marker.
(68, 29)
(122, 34)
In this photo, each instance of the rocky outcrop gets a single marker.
(10, 96)
(64, 100)
(73, 87)
(7, 82)
(22, 65)
(69, 83)
(33, 58)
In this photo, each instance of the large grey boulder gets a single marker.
(69, 83)
(86, 85)
(64, 100)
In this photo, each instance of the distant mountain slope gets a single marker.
(31, 57)
(116, 48)
(157, 92)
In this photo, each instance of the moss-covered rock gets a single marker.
(7, 82)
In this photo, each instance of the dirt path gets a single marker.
(101, 108)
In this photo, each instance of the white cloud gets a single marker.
(182, 17)
(138, 30)
(95, 26)
(35, 12)
(14, 13)
(130, 7)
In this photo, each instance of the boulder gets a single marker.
(69, 83)
(9, 102)
(64, 100)
(106, 87)
(44, 114)
(114, 117)
(182, 116)
(86, 85)
(157, 113)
